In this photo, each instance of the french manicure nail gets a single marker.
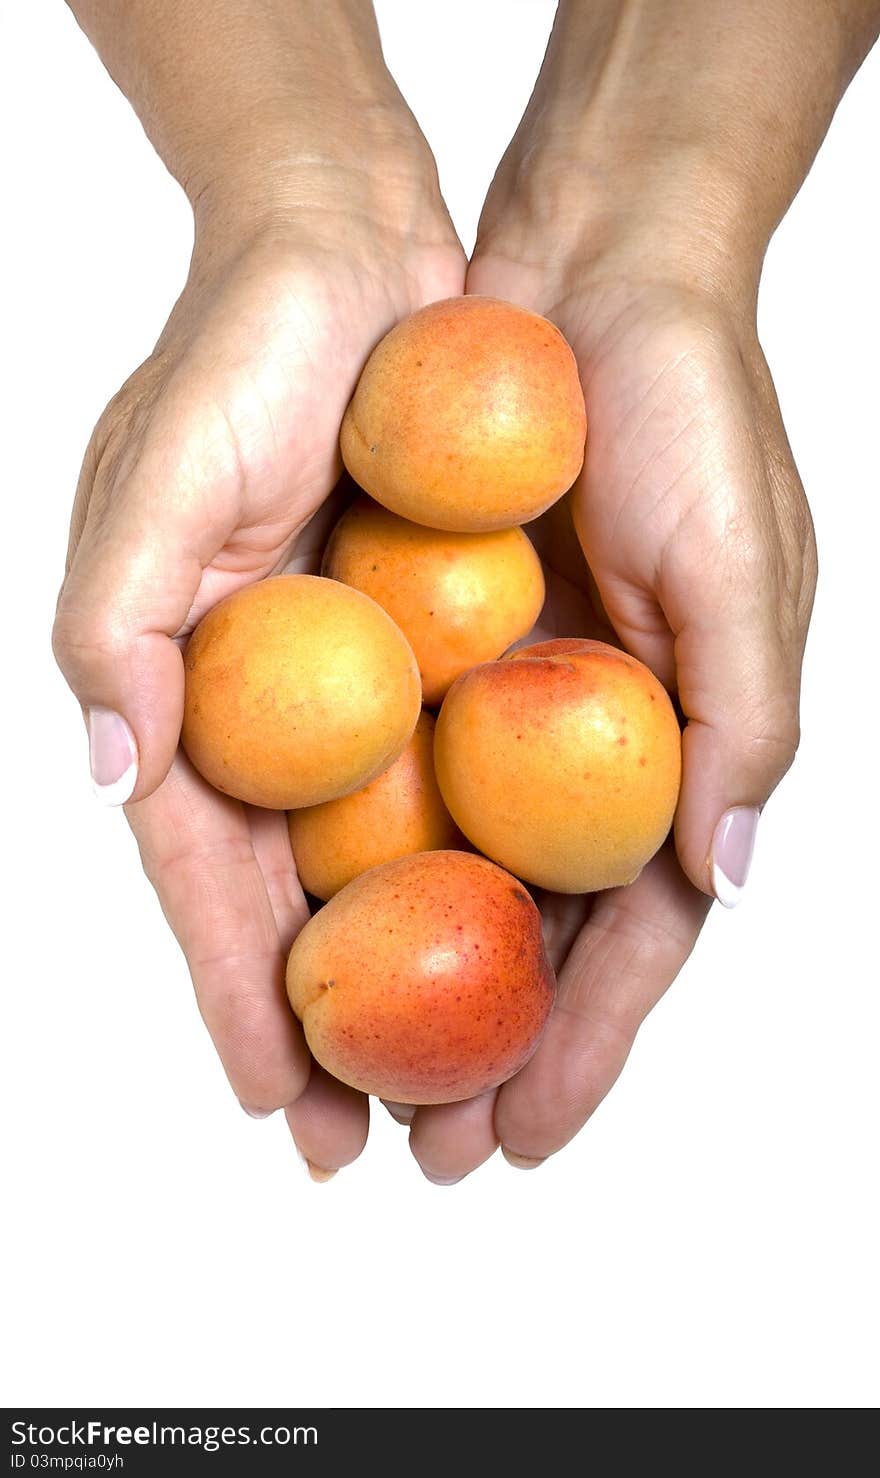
(442, 1179)
(520, 1162)
(113, 757)
(253, 1113)
(731, 857)
(318, 1173)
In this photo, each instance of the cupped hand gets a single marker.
(207, 472)
(690, 543)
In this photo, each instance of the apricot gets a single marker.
(398, 813)
(425, 980)
(460, 599)
(562, 762)
(298, 689)
(468, 415)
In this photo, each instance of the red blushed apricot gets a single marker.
(468, 415)
(298, 689)
(562, 762)
(459, 599)
(424, 980)
(398, 813)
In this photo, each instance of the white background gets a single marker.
(711, 1238)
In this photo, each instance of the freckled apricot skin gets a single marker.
(460, 599)
(425, 980)
(298, 689)
(468, 415)
(562, 762)
(398, 813)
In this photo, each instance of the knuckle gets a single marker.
(83, 639)
(771, 735)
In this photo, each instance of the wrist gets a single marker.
(266, 109)
(280, 174)
(674, 134)
(680, 216)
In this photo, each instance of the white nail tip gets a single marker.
(119, 791)
(727, 892)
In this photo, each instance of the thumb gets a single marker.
(128, 593)
(738, 647)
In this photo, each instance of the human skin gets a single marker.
(633, 208)
(313, 236)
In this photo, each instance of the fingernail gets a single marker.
(318, 1173)
(520, 1162)
(113, 757)
(253, 1113)
(442, 1179)
(404, 1113)
(731, 857)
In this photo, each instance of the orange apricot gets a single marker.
(298, 689)
(425, 980)
(562, 762)
(398, 813)
(468, 415)
(460, 599)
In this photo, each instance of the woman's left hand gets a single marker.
(694, 550)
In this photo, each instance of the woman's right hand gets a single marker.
(202, 475)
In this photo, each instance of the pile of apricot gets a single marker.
(423, 978)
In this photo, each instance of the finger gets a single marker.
(197, 850)
(148, 533)
(740, 626)
(562, 917)
(449, 1140)
(401, 1113)
(628, 953)
(329, 1123)
(270, 838)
